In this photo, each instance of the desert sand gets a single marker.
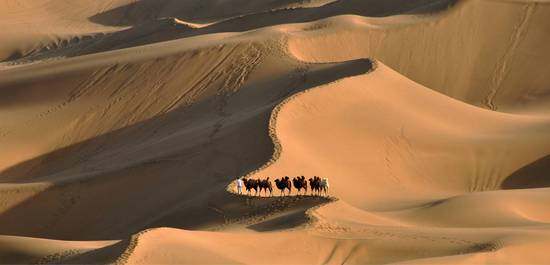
(124, 124)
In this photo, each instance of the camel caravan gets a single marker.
(318, 186)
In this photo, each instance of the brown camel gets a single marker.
(300, 183)
(283, 184)
(266, 185)
(251, 184)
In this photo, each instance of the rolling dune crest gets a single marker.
(124, 125)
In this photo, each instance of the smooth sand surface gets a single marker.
(123, 125)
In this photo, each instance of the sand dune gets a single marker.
(124, 124)
(498, 66)
(416, 45)
(43, 251)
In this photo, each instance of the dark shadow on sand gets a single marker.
(152, 21)
(121, 201)
(149, 10)
(534, 175)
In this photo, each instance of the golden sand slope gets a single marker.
(104, 137)
(503, 60)
(499, 65)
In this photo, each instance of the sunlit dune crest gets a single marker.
(144, 132)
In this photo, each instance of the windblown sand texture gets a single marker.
(123, 124)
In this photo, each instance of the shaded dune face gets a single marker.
(210, 124)
(123, 125)
(121, 24)
(533, 175)
(209, 11)
(498, 69)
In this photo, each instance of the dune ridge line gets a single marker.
(272, 130)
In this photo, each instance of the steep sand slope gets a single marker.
(499, 65)
(355, 233)
(425, 234)
(43, 30)
(147, 122)
(415, 167)
(353, 230)
(425, 146)
(104, 145)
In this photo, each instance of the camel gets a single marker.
(324, 186)
(266, 185)
(284, 183)
(315, 184)
(304, 184)
(300, 183)
(251, 184)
